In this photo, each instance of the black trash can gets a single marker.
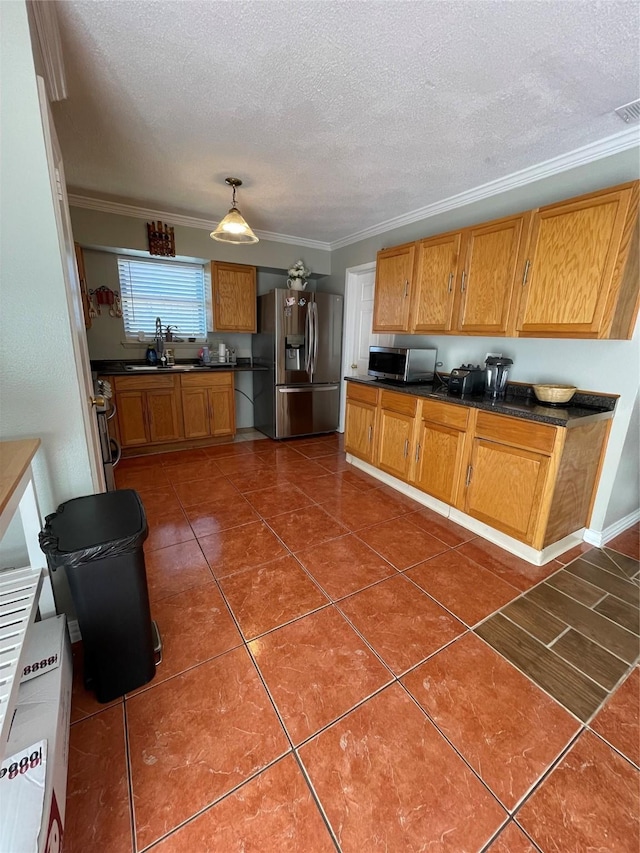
(98, 540)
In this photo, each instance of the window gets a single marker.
(172, 291)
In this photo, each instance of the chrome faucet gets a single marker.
(159, 343)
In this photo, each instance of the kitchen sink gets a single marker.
(139, 367)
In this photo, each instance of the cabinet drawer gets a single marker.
(362, 393)
(517, 432)
(144, 383)
(207, 380)
(445, 414)
(404, 404)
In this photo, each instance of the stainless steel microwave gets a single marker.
(402, 364)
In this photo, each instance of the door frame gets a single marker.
(72, 289)
(351, 307)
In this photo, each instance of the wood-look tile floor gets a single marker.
(346, 670)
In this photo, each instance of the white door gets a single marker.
(72, 287)
(359, 288)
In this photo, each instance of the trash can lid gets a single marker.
(94, 527)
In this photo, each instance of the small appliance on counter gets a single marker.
(402, 364)
(497, 375)
(466, 380)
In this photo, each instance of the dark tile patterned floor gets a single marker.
(330, 679)
(577, 633)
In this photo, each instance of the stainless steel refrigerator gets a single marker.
(299, 342)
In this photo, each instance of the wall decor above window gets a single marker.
(161, 239)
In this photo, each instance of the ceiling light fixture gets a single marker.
(233, 228)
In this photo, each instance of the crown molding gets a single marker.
(623, 141)
(615, 144)
(120, 209)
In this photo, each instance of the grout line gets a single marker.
(316, 798)
(127, 753)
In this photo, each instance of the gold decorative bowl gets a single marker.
(554, 393)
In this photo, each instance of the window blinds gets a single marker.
(172, 291)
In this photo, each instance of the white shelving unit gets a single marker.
(22, 590)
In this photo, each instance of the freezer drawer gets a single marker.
(306, 409)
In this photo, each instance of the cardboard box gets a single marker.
(42, 649)
(43, 712)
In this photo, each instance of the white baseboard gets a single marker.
(598, 538)
(514, 546)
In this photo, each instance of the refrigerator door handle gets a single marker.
(308, 338)
(315, 337)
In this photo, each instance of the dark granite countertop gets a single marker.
(119, 368)
(519, 402)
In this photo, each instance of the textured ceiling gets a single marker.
(337, 115)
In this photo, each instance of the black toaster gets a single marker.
(466, 380)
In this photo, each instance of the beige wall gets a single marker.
(100, 230)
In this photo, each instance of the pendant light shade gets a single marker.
(233, 228)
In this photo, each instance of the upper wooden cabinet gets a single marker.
(394, 276)
(234, 297)
(582, 279)
(566, 270)
(436, 277)
(493, 263)
(464, 280)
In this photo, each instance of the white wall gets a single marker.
(606, 366)
(39, 394)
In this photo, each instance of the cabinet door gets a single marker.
(505, 487)
(234, 297)
(392, 300)
(434, 284)
(492, 264)
(222, 406)
(395, 445)
(195, 411)
(164, 416)
(132, 418)
(573, 253)
(359, 431)
(439, 461)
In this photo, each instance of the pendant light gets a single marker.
(233, 228)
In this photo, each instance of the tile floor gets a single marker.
(330, 677)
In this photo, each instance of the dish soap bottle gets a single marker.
(152, 356)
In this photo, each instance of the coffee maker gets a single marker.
(496, 376)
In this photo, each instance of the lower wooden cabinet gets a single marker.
(160, 409)
(360, 421)
(534, 482)
(208, 405)
(441, 450)
(505, 488)
(148, 410)
(396, 433)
